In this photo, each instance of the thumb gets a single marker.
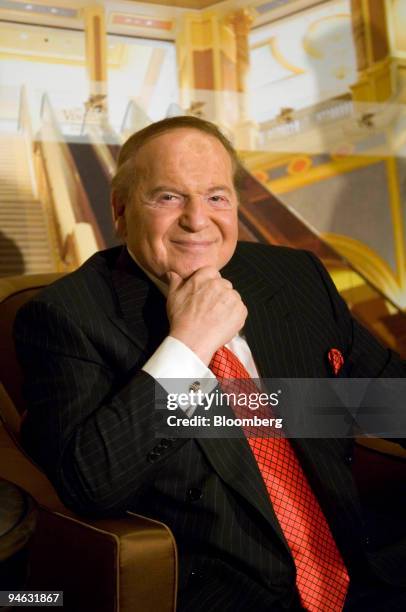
(174, 281)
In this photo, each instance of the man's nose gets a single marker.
(195, 214)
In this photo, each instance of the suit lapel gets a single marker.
(267, 310)
(141, 312)
(234, 462)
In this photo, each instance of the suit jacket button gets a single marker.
(165, 443)
(152, 456)
(196, 574)
(367, 541)
(194, 494)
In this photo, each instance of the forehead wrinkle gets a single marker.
(183, 178)
(179, 165)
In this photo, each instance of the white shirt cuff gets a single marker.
(179, 370)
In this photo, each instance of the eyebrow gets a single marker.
(220, 188)
(161, 188)
(171, 188)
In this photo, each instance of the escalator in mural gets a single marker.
(26, 240)
(96, 182)
(265, 218)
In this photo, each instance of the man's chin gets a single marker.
(187, 269)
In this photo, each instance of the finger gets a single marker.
(226, 283)
(220, 283)
(174, 281)
(203, 274)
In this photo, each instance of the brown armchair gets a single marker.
(109, 565)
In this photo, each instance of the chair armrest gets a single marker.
(16, 467)
(387, 447)
(127, 564)
(110, 565)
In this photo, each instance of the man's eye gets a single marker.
(166, 199)
(169, 197)
(219, 201)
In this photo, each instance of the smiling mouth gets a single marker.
(193, 245)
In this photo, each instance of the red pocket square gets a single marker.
(336, 360)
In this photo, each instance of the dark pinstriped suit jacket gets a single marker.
(91, 420)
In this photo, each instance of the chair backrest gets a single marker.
(14, 292)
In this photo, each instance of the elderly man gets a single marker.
(260, 524)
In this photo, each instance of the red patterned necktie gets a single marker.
(322, 579)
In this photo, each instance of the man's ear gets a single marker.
(119, 216)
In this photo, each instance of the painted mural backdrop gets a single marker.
(312, 95)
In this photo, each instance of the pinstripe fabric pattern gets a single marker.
(91, 419)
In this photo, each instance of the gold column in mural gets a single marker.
(207, 64)
(396, 25)
(370, 29)
(397, 38)
(245, 130)
(96, 58)
(378, 29)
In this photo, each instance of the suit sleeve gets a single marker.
(92, 432)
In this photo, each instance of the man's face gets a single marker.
(183, 214)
